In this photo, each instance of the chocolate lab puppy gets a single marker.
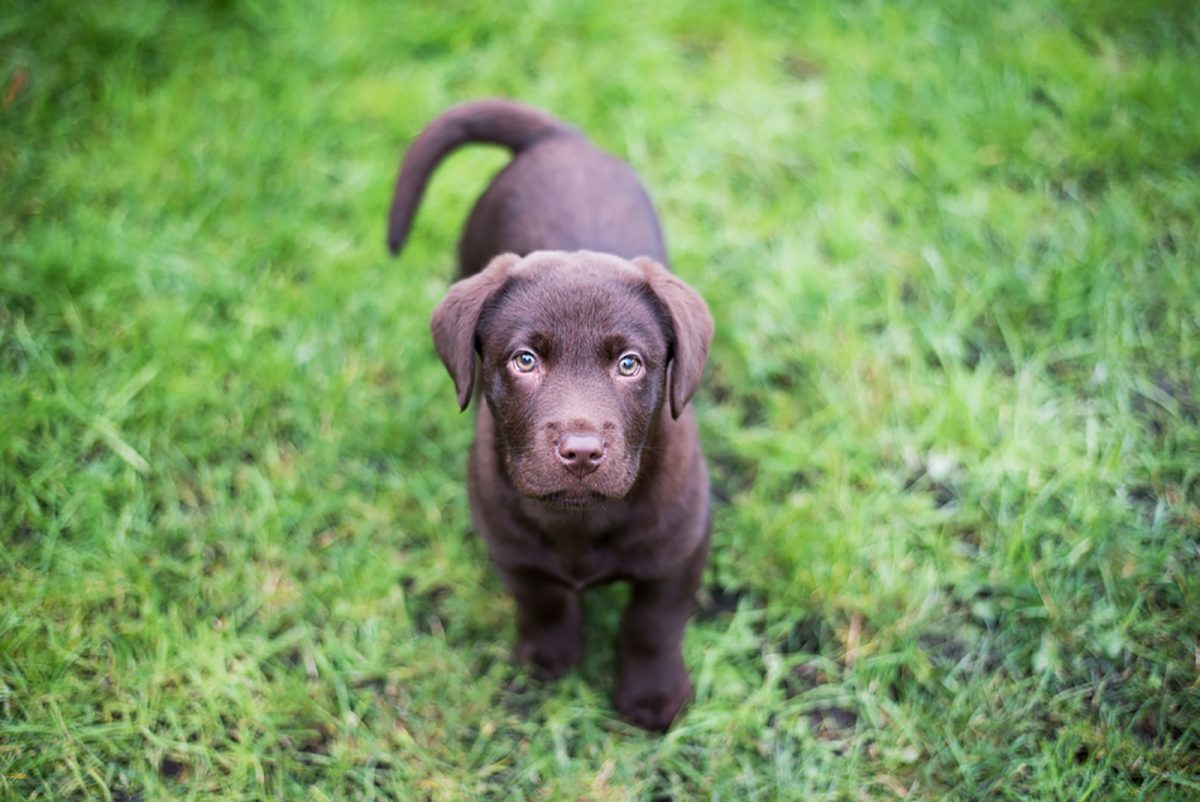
(586, 466)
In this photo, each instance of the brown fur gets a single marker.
(586, 468)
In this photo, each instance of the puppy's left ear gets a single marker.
(692, 326)
(455, 319)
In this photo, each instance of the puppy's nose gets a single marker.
(580, 453)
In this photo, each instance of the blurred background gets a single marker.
(951, 411)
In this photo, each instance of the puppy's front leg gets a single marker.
(653, 684)
(549, 623)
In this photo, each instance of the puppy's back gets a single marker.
(559, 193)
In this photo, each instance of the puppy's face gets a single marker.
(579, 353)
(574, 368)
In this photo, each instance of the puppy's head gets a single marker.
(579, 352)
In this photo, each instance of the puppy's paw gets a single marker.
(652, 703)
(549, 657)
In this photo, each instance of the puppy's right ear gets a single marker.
(455, 319)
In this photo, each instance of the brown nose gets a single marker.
(580, 453)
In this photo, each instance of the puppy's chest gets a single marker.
(581, 561)
(577, 560)
(579, 551)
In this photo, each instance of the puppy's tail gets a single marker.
(497, 122)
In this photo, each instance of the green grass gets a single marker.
(952, 409)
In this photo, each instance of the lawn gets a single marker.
(952, 410)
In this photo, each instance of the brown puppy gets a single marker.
(586, 466)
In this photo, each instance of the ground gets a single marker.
(953, 254)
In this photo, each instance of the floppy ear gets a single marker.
(693, 330)
(454, 321)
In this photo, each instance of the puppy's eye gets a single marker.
(524, 362)
(629, 365)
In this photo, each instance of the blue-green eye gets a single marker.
(629, 365)
(524, 361)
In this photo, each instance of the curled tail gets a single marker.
(497, 122)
